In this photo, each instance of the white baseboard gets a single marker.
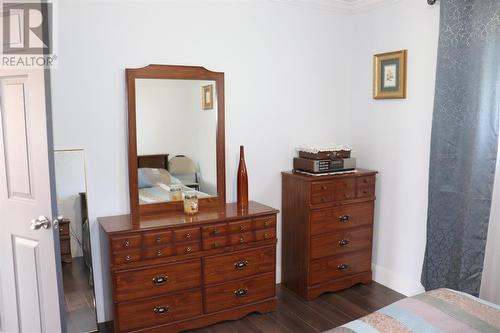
(397, 282)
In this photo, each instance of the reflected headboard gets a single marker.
(159, 161)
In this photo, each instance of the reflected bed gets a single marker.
(155, 181)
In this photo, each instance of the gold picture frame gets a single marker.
(207, 97)
(389, 75)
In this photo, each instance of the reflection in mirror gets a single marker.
(74, 241)
(176, 124)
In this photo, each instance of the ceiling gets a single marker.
(349, 5)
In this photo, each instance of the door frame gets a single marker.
(52, 177)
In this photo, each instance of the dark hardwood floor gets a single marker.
(297, 315)
(78, 297)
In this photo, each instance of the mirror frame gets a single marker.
(178, 73)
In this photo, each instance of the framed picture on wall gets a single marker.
(207, 97)
(389, 75)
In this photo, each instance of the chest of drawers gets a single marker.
(65, 241)
(177, 272)
(327, 231)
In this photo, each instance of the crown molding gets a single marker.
(350, 6)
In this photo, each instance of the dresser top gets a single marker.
(123, 223)
(344, 174)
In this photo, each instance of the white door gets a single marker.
(29, 299)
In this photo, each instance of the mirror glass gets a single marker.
(176, 124)
(74, 241)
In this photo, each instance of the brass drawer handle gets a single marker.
(267, 223)
(240, 292)
(344, 242)
(344, 218)
(161, 309)
(242, 240)
(160, 280)
(215, 232)
(342, 267)
(126, 243)
(242, 227)
(188, 235)
(240, 264)
(266, 235)
(159, 253)
(188, 249)
(61, 230)
(324, 187)
(158, 239)
(128, 258)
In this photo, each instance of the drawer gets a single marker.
(240, 226)
(125, 242)
(156, 238)
(368, 181)
(327, 245)
(186, 248)
(158, 252)
(214, 230)
(227, 267)
(159, 310)
(341, 218)
(64, 230)
(65, 246)
(323, 270)
(364, 192)
(265, 234)
(214, 242)
(132, 284)
(240, 292)
(333, 191)
(186, 234)
(243, 238)
(126, 256)
(264, 222)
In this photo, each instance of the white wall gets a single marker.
(287, 74)
(393, 136)
(170, 119)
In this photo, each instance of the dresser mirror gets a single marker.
(176, 137)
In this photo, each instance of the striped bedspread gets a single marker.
(441, 310)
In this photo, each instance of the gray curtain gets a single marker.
(463, 145)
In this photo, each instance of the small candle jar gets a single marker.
(175, 193)
(190, 203)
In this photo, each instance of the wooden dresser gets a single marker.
(327, 231)
(175, 272)
(65, 241)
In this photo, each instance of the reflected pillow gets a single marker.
(149, 177)
(144, 181)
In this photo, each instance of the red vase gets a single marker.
(242, 182)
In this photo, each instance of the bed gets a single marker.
(155, 181)
(441, 310)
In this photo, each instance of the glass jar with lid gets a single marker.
(190, 203)
(175, 193)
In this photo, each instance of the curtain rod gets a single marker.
(431, 2)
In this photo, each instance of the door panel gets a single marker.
(28, 279)
(15, 134)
